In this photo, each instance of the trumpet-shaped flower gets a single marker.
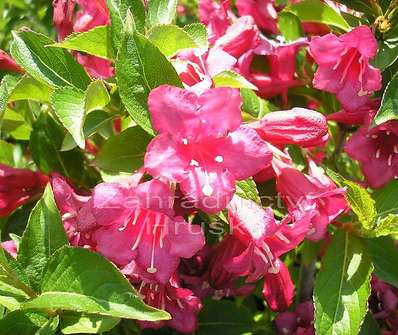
(18, 186)
(201, 144)
(344, 68)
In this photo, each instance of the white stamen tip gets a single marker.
(194, 163)
(273, 270)
(388, 132)
(396, 149)
(185, 141)
(219, 159)
(207, 190)
(203, 121)
(151, 270)
(389, 162)
(374, 136)
(378, 153)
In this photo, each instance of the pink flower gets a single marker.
(10, 247)
(70, 206)
(171, 297)
(241, 37)
(141, 220)
(92, 13)
(377, 151)
(314, 194)
(298, 322)
(215, 16)
(282, 69)
(196, 67)
(8, 64)
(201, 144)
(299, 126)
(343, 66)
(63, 17)
(358, 116)
(278, 289)
(262, 11)
(17, 187)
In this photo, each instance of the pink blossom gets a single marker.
(343, 66)
(299, 126)
(196, 67)
(314, 194)
(278, 289)
(358, 116)
(298, 322)
(11, 247)
(93, 13)
(201, 144)
(17, 187)
(241, 37)
(171, 297)
(262, 11)
(216, 17)
(141, 220)
(63, 17)
(377, 151)
(281, 62)
(8, 64)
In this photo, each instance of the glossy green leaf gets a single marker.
(10, 296)
(247, 189)
(386, 55)
(384, 253)
(6, 153)
(118, 10)
(342, 287)
(254, 105)
(53, 66)
(140, 67)
(199, 33)
(29, 88)
(94, 42)
(389, 104)
(43, 235)
(317, 11)
(124, 152)
(359, 199)
(15, 125)
(22, 323)
(290, 26)
(171, 39)
(232, 79)
(68, 105)
(224, 317)
(77, 279)
(161, 12)
(77, 323)
(96, 96)
(50, 327)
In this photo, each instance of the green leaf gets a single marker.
(52, 66)
(6, 86)
(171, 39)
(387, 199)
(94, 42)
(199, 33)
(141, 67)
(342, 287)
(22, 323)
(15, 125)
(124, 152)
(94, 121)
(387, 54)
(247, 189)
(359, 199)
(384, 253)
(45, 143)
(50, 327)
(369, 326)
(224, 317)
(317, 11)
(97, 96)
(10, 296)
(290, 26)
(77, 279)
(389, 104)
(232, 79)
(6, 153)
(254, 105)
(29, 88)
(118, 10)
(161, 12)
(77, 323)
(68, 105)
(43, 235)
